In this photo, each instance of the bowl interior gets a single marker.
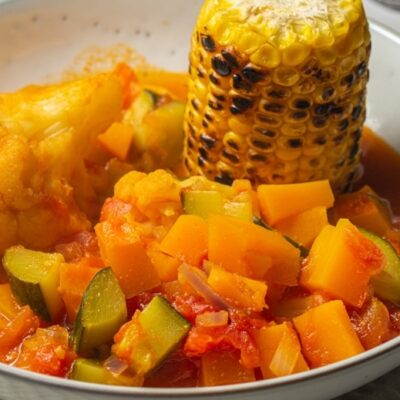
(160, 30)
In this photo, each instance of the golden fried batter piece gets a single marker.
(45, 135)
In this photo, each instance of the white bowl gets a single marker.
(40, 37)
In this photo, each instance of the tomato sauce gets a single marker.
(381, 168)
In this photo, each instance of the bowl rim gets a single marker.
(145, 392)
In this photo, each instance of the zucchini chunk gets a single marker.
(153, 334)
(34, 278)
(92, 371)
(206, 202)
(203, 202)
(387, 283)
(101, 314)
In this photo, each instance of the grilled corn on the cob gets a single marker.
(277, 90)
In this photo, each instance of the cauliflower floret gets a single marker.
(45, 134)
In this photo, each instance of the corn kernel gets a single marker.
(286, 76)
(295, 54)
(238, 126)
(266, 56)
(285, 107)
(326, 56)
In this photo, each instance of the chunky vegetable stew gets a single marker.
(119, 269)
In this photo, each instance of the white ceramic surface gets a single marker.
(38, 38)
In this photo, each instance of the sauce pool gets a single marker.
(381, 164)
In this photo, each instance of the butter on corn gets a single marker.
(277, 91)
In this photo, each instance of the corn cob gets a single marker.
(277, 91)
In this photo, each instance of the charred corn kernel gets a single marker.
(277, 91)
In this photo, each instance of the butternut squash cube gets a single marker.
(249, 250)
(123, 250)
(223, 368)
(280, 351)
(326, 334)
(278, 202)
(117, 139)
(241, 292)
(304, 227)
(187, 240)
(74, 279)
(341, 264)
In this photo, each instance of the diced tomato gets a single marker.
(190, 306)
(83, 244)
(23, 325)
(236, 336)
(372, 323)
(47, 352)
(130, 87)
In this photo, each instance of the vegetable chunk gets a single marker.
(280, 351)
(241, 292)
(387, 283)
(34, 278)
(278, 202)
(187, 240)
(124, 251)
(326, 334)
(252, 251)
(223, 368)
(150, 336)
(102, 312)
(341, 263)
(304, 227)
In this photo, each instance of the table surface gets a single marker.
(387, 387)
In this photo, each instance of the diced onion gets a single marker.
(213, 319)
(115, 365)
(286, 355)
(201, 286)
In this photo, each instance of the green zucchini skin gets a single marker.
(34, 280)
(387, 283)
(102, 312)
(163, 328)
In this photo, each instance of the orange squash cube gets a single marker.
(341, 264)
(122, 249)
(241, 292)
(278, 202)
(280, 351)
(223, 368)
(117, 139)
(187, 240)
(304, 227)
(327, 335)
(165, 265)
(227, 244)
(249, 250)
(74, 279)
